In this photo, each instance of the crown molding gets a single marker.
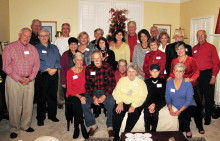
(167, 1)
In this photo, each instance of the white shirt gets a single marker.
(62, 44)
(161, 47)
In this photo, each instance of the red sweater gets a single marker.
(154, 57)
(75, 82)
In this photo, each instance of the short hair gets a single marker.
(166, 34)
(131, 22)
(152, 40)
(153, 27)
(177, 32)
(35, 21)
(144, 31)
(99, 29)
(133, 66)
(203, 31)
(83, 33)
(78, 54)
(116, 32)
(97, 51)
(180, 43)
(44, 30)
(106, 43)
(72, 40)
(122, 60)
(23, 29)
(65, 24)
(180, 65)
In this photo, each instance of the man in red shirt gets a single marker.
(208, 61)
(122, 70)
(131, 37)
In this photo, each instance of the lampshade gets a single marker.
(58, 34)
(183, 31)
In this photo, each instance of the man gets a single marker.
(154, 32)
(48, 78)
(62, 44)
(171, 52)
(21, 64)
(122, 70)
(131, 37)
(36, 27)
(100, 82)
(208, 61)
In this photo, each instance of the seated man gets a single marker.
(122, 70)
(100, 82)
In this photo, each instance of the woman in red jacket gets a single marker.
(154, 57)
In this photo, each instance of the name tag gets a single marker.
(26, 52)
(92, 73)
(195, 51)
(44, 51)
(186, 49)
(165, 72)
(172, 90)
(158, 57)
(87, 49)
(147, 51)
(159, 85)
(135, 85)
(75, 76)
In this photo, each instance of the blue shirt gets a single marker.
(49, 56)
(181, 97)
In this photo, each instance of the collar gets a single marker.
(202, 44)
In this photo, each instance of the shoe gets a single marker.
(201, 131)
(189, 136)
(111, 133)
(207, 120)
(13, 135)
(40, 123)
(92, 131)
(30, 130)
(116, 139)
(84, 131)
(60, 106)
(54, 119)
(76, 133)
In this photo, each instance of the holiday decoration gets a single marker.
(217, 29)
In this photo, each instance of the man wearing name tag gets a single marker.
(48, 78)
(208, 62)
(21, 64)
(100, 82)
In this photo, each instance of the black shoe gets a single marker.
(54, 119)
(30, 130)
(60, 106)
(207, 120)
(116, 139)
(13, 135)
(84, 132)
(76, 133)
(40, 123)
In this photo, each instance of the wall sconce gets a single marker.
(58, 34)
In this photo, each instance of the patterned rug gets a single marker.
(197, 139)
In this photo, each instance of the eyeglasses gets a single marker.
(179, 71)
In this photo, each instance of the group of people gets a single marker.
(124, 75)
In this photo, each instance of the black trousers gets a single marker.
(206, 91)
(185, 118)
(48, 86)
(131, 120)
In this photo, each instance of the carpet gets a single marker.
(99, 139)
(197, 139)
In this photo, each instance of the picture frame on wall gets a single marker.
(51, 26)
(164, 27)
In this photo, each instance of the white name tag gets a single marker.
(172, 90)
(195, 51)
(75, 76)
(186, 49)
(87, 49)
(159, 85)
(158, 57)
(92, 73)
(147, 51)
(165, 72)
(26, 52)
(44, 51)
(135, 85)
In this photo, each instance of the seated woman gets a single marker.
(129, 94)
(179, 93)
(75, 93)
(155, 99)
(154, 57)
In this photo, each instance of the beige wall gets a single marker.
(22, 12)
(198, 8)
(4, 24)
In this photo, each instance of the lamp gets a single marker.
(183, 31)
(58, 34)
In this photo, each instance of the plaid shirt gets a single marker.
(100, 79)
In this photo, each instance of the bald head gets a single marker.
(201, 36)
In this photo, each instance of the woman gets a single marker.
(191, 74)
(155, 99)
(164, 39)
(75, 94)
(179, 93)
(85, 48)
(129, 94)
(140, 50)
(154, 57)
(107, 54)
(120, 48)
(98, 33)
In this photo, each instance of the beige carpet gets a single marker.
(59, 130)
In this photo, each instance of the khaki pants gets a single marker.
(19, 100)
(60, 95)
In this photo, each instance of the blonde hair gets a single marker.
(84, 33)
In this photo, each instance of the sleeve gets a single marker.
(64, 66)
(162, 64)
(167, 94)
(195, 69)
(215, 61)
(69, 80)
(116, 92)
(146, 65)
(57, 64)
(111, 79)
(88, 85)
(160, 102)
(134, 58)
(172, 67)
(127, 53)
(112, 60)
(168, 59)
(189, 52)
(189, 93)
(36, 65)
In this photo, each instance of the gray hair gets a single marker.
(178, 32)
(78, 54)
(122, 60)
(25, 28)
(44, 30)
(65, 24)
(36, 20)
(153, 27)
(133, 66)
(97, 51)
(131, 22)
(180, 65)
(99, 29)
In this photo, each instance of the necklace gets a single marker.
(155, 82)
(182, 60)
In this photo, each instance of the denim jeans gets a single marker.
(108, 103)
